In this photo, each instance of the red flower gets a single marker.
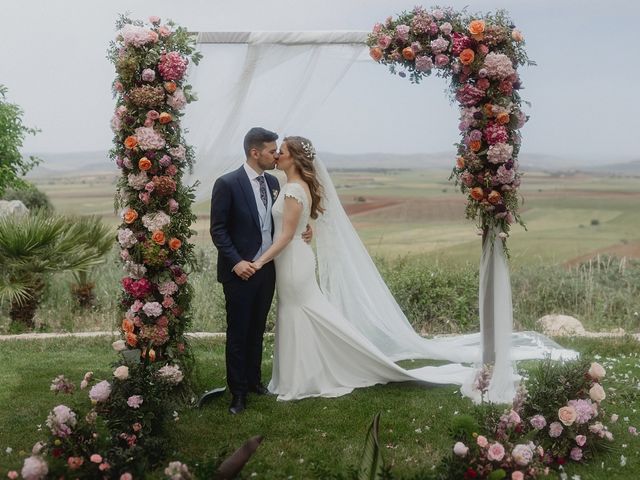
(470, 473)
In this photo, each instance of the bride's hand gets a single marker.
(257, 264)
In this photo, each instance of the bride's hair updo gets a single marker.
(303, 154)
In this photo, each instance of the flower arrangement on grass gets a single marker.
(124, 433)
(558, 420)
(480, 54)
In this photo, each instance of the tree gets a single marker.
(12, 133)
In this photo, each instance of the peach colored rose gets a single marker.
(517, 35)
(494, 197)
(517, 475)
(597, 393)
(467, 56)
(477, 193)
(376, 53)
(144, 164)
(408, 53)
(170, 86)
(152, 355)
(503, 118)
(164, 31)
(132, 339)
(153, 36)
(165, 118)
(460, 163)
(476, 27)
(75, 462)
(130, 142)
(597, 371)
(158, 237)
(175, 243)
(567, 415)
(475, 145)
(130, 216)
(488, 110)
(127, 325)
(482, 441)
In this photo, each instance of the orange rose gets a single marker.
(158, 237)
(460, 162)
(165, 118)
(517, 35)
(503, 118)
(132, 339)
(152, 355)
(130, 142)
(476, 28)
(494, 197)
(467, 56)
(477, 193)
(408, 53)
(488, 110)
(475, 145)
(376, 53)
(130, 216)
(175, 243)
(144, 163)
(170, 87)
(127, 325)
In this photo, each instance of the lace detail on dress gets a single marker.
(295, 191)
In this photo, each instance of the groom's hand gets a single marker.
(244, 270)
(307, 235)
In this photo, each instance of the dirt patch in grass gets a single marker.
(628, 250)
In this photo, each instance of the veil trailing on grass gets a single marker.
(350, 280)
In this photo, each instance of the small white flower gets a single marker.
(9, 450)
(623, 460)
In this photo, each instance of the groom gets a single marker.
(242, 229)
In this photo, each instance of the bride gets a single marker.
(349, 332)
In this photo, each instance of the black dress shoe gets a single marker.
(259, 389)
(238, 404)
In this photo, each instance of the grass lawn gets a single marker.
(328, 432)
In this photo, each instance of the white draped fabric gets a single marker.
(278, 80)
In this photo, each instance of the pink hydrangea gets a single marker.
(504, 176)
(585, 410)
(424, 63)
(179, 152)
(439, 45)
(34, 468)
(498, 66)
(149, 139)
(172, 66)
(137, 181)
(61, 420)
(460, 42)
(495, 133)
(126, 238)
(135, 36)
(469, 95)
(168, 288)
(446, 28)
(152, 309)
(165, 161)
(499, 153)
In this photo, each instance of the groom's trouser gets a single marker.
(247, 303)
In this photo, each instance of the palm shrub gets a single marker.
(36, 246)
(101, 238)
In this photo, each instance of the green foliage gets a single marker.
(372, 463)
(33, 198)
(12, 135)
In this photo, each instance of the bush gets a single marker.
(33, 198)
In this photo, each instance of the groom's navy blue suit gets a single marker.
(236, 233)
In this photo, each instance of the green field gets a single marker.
(570, 217)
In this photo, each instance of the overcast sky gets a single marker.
(583, 92)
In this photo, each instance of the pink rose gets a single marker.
(495, 452)
(483, 49)
(633, 431)
(95, 458)
(126, 476)
(482, 441)
(581, 440)
(384, 41)
(164, 31)
(441, 60)
(12, 474)
(555, 429)
(576, 454)
(154, 19)
(134, 401)
(517, 475)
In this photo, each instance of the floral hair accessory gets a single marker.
(309, 151)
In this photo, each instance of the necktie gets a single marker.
(263, 190)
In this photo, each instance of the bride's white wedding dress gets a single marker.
(318, 352)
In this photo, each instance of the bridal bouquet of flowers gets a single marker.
(480, 55)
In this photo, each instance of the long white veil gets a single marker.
(350, 280)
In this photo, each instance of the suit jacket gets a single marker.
(235, 224)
